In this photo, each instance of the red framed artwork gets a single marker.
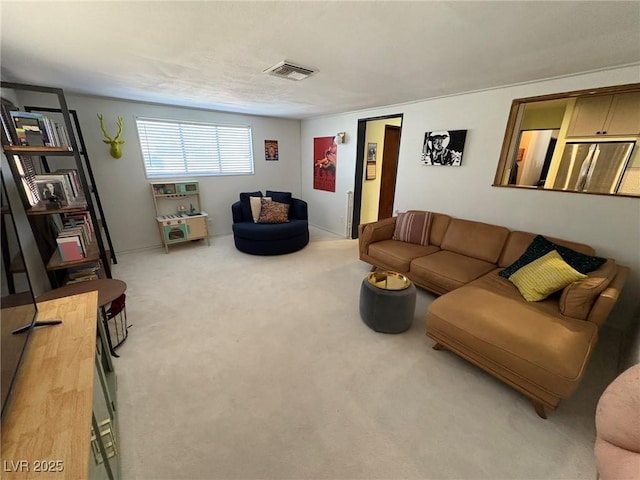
(325, 160)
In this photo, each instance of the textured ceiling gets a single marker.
(367, 53)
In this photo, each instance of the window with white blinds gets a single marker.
(173, 149)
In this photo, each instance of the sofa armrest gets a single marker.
(369, 233)
(298, 209)
(608, 298)
(236, 213)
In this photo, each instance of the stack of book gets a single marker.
(82, 273)
(75, 237)
(32, 129)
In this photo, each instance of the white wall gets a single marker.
(610, 224)
(124, 190)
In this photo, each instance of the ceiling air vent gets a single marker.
(289, 71)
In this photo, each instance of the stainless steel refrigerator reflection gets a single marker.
(593, 167)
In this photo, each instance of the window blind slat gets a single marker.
(171, 149)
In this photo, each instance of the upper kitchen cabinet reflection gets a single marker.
(585, 141)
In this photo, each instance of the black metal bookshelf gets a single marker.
(38, 213)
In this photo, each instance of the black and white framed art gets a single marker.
(443, 147)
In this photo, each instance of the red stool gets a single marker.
(116, 322)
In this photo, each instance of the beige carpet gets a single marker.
(245, 367)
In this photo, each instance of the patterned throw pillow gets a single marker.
(273, 212)
(413, 227)
(544, 276)
(541, 246)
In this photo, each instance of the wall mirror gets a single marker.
(586, 141)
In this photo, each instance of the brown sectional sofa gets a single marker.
(539, 348)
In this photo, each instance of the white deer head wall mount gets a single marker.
(115, 142)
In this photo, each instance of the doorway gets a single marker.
(378, 146)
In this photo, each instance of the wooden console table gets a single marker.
(50, 411)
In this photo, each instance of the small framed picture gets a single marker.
(443, 147)
(271, 150)
(52, 189)
(371, 171)
(372, 151)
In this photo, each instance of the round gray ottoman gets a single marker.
(387, 302)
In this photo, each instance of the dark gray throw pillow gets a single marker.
(281, 197)
(245, 204)
(541, 246)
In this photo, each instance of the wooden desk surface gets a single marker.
(47, 426)
(108, 290)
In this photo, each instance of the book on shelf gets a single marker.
(80, 232)
(74, 179)
(83, 273)
(83, 278)
(74, 224)
(9, 136)
(79, 218)
(30, 128)
(70, 248)
(62, 135)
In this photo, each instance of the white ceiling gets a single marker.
(367, 53)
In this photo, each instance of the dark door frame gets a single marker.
(357, 191)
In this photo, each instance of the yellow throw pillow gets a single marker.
(540, 278)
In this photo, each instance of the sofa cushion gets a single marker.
(439, 225)
(273, 212)
(517, 338)
(256, 206)
(270, 232)
(448, 269)
(413, 227)
(398, 255)
(282, 197)
(578, 297)
(544, 276)
(541, 246)
(245, 204)
(475, 239)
